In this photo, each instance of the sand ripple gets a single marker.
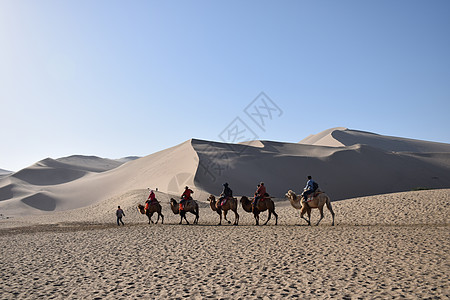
(227, 262)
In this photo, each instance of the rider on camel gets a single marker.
(185, 196)
(309, 189)
(226, 193)
(259, 194)
(150, 200)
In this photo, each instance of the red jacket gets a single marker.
(261, 191)
(187, 194)
(151, 196)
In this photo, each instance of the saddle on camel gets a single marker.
(313, 195)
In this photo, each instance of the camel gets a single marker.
(318, 202)
(190, 206)
(230, 204)
(266, 204)
(153, 208)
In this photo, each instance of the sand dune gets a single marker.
(72, 183)
(340, 136)
(366, 164)
(324, 138)
(4, 173)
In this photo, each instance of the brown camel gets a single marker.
(266, 204)
(153, 208)
(230, 204)
(318, 202)
(190, 206)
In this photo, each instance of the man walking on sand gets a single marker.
(119, 214)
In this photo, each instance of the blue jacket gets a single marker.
(309, 185)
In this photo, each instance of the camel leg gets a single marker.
(276, 217)
(268, 217)
(220, 215)
(256, 218)
(321, 215)
(196, 217)
(157, 219)
(225, 212)
(162, 219)
(151, 215)
(150, 218)
(236, 218)
(302, 213)
(182, 216)
(331, 211)
(307, 221)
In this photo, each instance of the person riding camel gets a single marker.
(185, 196)
(225, 195)
(309, 189)
(259, 194)
(150, 200)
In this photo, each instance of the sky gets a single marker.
(122, 78)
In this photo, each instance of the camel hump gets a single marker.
(318, 192)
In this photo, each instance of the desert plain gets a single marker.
(389, 246)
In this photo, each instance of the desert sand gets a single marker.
(386, 246)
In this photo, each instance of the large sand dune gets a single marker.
(52, 185)
(346, 163)
(340, 136)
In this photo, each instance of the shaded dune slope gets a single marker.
(343, 172)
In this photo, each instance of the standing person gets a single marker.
(309, 189)
(259, 194)
(226, 193)
(185, 196)
(119, 214)
(151, 198)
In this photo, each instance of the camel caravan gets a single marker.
(311, 198)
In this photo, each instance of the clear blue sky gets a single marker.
(119, 78)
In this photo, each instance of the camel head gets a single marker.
(295, 201)
(141, 208)
(291, 195)
(212, 199)
(173, 201)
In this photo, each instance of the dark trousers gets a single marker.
(119, 219)
(307, 193)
